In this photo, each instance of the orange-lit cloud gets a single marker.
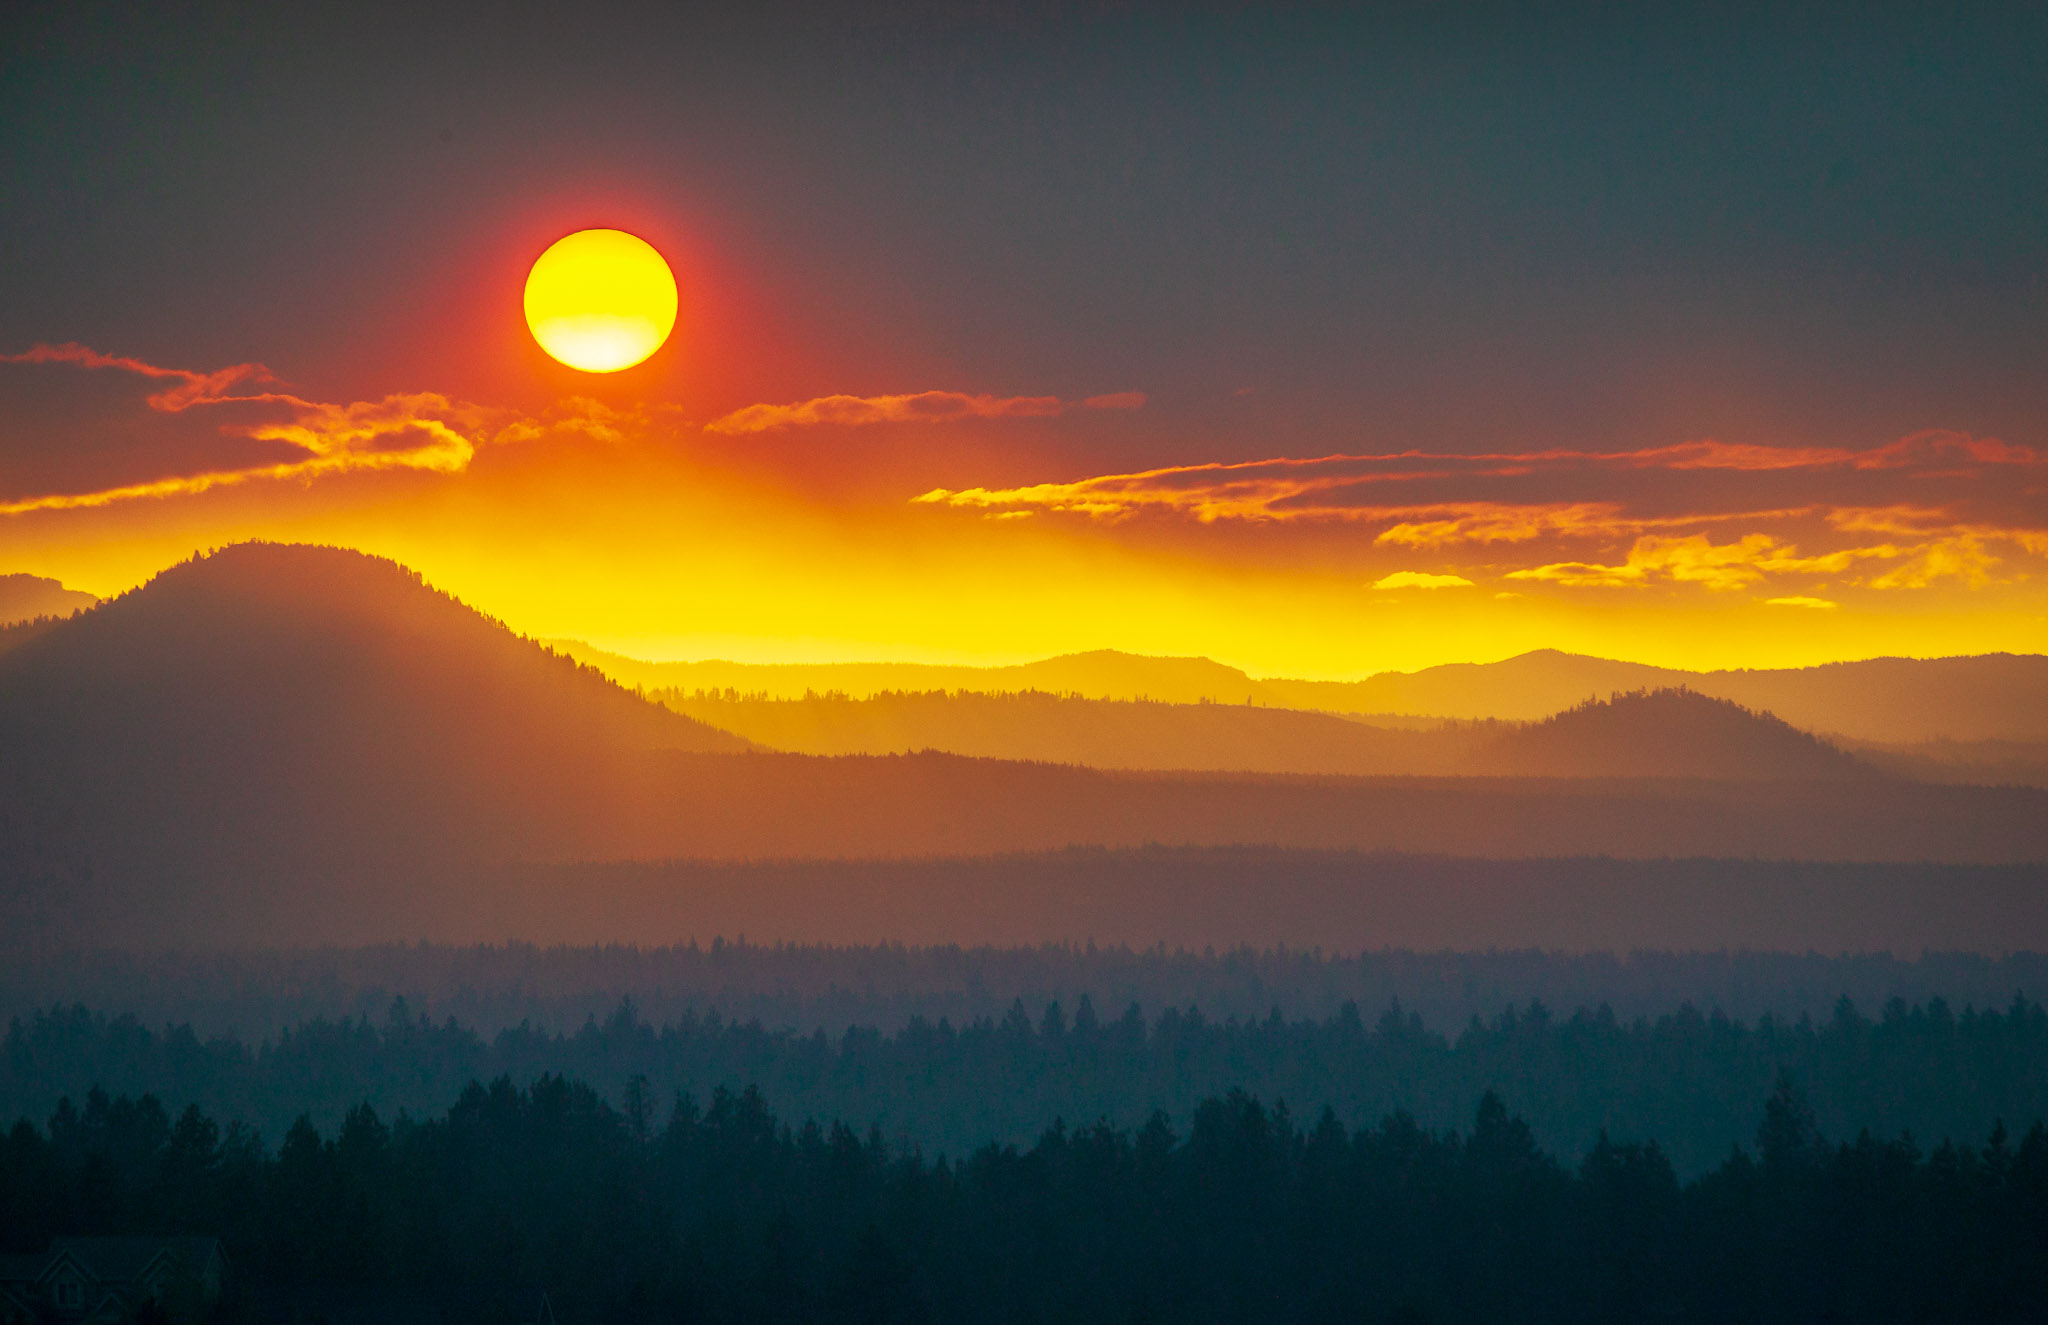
(578, 415)
(1962, 558)
(920, 407)
(1348, 486)
(1449, 524)
(1749, 560)
(1697, 560)
(214, 388)
(571, 520)
(419, 431)
(1932, 507)
(1412, 579)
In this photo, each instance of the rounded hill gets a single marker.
(265, 641)
(1671, 732)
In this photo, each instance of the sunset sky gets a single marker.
(1319, 345)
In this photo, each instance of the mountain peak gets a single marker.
(274, 635)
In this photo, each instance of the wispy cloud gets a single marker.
(1756, 557)
(214, 388)
(919, 407)
(1963, 558)
(1354, 487)
(1926, 508)
(420, 431)
(1698, 560)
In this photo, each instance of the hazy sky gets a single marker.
(1415, 333)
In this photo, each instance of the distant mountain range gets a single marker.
(1099, 733)
(1996, 696)
(1102, 674)
(26, 597)
(1664, 733)
(1990, 697)
(291, 744)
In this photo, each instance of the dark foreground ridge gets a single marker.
(660, 1211)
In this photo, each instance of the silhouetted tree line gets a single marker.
(258, 992)
(723, 1213)
(1687, 1079)
(14, 633)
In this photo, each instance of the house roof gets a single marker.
(21, 1269)
(124, 1260)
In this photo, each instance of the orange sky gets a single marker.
(1320, 340)
(949, 520)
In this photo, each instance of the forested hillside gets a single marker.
(1684, 1078)
(1665, 733)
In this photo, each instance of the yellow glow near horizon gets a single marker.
(601, 300)
(589, 520)
(618, 552)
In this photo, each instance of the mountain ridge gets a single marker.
(1975, 697)
(1634, 734)
(306, 745)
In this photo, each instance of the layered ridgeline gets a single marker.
(307, 743)
(1660, 733)
(1893, 701)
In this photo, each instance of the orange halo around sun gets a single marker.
(601, 300)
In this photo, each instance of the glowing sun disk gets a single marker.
(601, 300)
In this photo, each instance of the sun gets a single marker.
(601, 300)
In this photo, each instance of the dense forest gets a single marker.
(672, 1210)
(1687, 1080)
